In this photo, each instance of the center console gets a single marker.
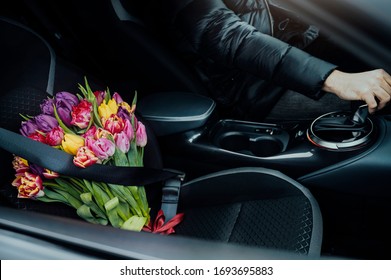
(345, 151)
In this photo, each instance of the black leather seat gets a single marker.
(250, 206)
(118, 45)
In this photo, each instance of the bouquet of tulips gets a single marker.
(96, 128)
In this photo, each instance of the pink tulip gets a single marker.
(99, 96)
(122, 141)
(128, 129)
(20, 165)
(48, 174)
(55, 136)
(103, 148)
(18, 180)
(36, 136)
(81, 114)
(85, 157)
(90, 132)
(102, 133)
(30, 186)
(141, 135)
(114, 124)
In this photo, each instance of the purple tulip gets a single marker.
(65, 115)
(64, 102)
(117, 98)
(28, 128)
(46, 123)
(123, 114)
(66, 99)
(47, 107)
(36, 169)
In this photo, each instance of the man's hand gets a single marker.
(373, 87)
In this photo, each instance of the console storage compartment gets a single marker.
(261, 140)
(175, 112)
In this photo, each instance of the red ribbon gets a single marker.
(159, 225)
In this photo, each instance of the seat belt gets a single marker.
(62, 163)
(170, 196)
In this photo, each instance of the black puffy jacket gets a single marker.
(231, 44)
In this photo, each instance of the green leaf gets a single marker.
(60, 123)
(114, 219)
(142, 205)
(134, 98)
(123, 209)
(85, 212)
(68, 187)
(121, 191)
(108, 95)
(55, 196)
(87, 198)
(26, 118)
(133, 154)
(90, 94)
(95, 114)
(111, 204)
(111, 210)
(143, 198)
(108, 191)
(99, 193)
(47, 199)
(83, 91)
(80, 184)
(73, 201)
(88, 185)
(134, 223)
(120, 158)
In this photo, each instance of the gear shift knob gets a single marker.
(360, 116)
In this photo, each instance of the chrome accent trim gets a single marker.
(311, 135)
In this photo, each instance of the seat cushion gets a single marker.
(252, 206)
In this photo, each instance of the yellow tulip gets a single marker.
(71, 143)
(106, 110)
(126, 107)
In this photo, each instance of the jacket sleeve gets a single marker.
(216, 32)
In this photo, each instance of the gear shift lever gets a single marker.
(360, 116)
(342, 130)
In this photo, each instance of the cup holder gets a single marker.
(260, 140)
(233, 141)
(265, 146)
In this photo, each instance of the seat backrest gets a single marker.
(29, 73)
(116, 42)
